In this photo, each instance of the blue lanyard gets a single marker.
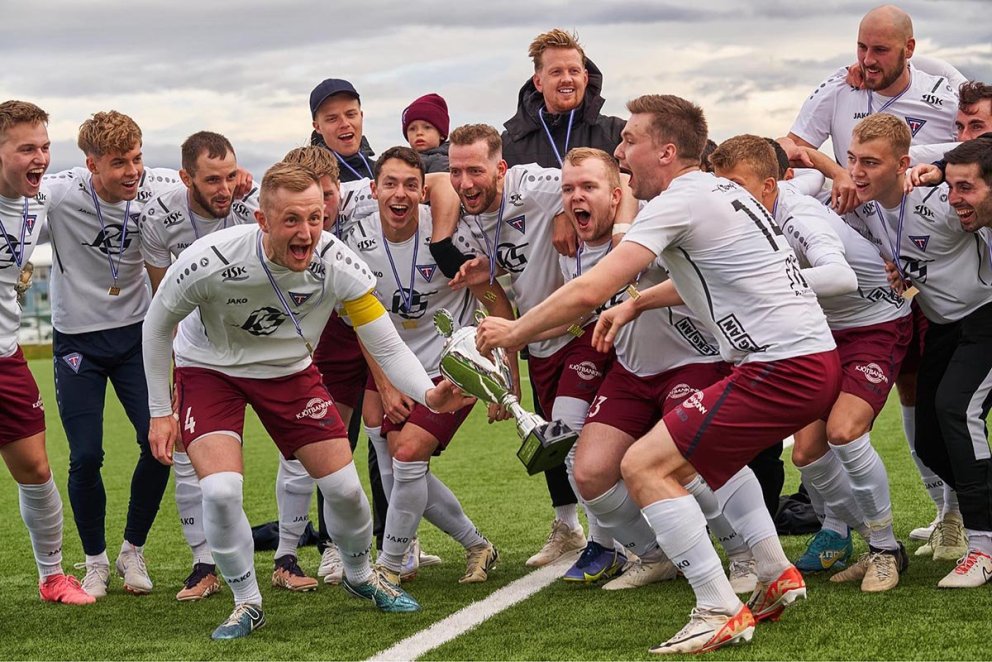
(894, 247)
(578, 258)
(17, 256)
(192, 219)
(405, 294)
(547, 131)
(282, 297)
(893, 99)
(492, 250)
(353, 171)
(114, 268)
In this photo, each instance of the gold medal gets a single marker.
(409, 324)
(309, 348)
(114, 291)
(632, 292)
(576, 330)
(23, 282)
(490, 296)
(910, 292)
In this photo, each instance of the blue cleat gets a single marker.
(386, 595)
(828, 550)
(595, 563)
(244, 620)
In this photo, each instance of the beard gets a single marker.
(199, 198)
(889, 77)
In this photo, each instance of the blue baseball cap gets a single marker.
(329, 88)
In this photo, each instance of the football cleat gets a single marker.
(411, 561)
(386, 595)
(767, 602)
(428, 560)
(561, 540)
(639, 572)
(479, 560)
(854, 572)
(201, 583)
(972, 571)
(245, 619)
(131, 567)
(65, 589)
(331, 568)
(827, 550)
(595, 563)
(290, 576)
(949, 541)
(96, 580)
(708, 630)
(924, 532)
(883, 569)
(742, 575)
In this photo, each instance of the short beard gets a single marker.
(892, 77)
(204, 203)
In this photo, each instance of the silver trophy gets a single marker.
(545, 444)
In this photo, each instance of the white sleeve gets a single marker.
(153, 248)
(808, 181)
(813, 124)
(400, 364)
(156, 349)
(937, 67)
(831, 279)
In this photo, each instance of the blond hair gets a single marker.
(19, 112)
(750, 151)
(882, 126)
(317, 159)
(577, 155)
(674, 120)
(290, 176)
(108, 133)
(469, 134)
(556, 38)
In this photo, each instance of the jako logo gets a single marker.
(586, 370)
(873, 373)
(232, 302)
(316, 408)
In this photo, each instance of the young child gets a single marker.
(425, 125)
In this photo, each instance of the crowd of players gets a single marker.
(685, 306)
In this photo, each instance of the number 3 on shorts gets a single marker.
(596, 404)
(190, 423)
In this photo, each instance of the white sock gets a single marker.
(41, 510)
(349, 520)
(569, 514)
(294, 489)
(733, 543)
(933, 483)
(980, 541)
(128, 547)
(951, 506)
(826, 475)
(406, 509)
(445, 512)
(681, 530)
(572, 412)
(229, 534)
(832, 522)
(384, 460)
(623, 520)
(189, 503)
(744, 507)
(870, 486)
(597, 533)
(815, 498)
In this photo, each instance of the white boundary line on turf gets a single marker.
(476, 613)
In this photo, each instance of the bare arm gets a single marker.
(155, 276)
(444, 205)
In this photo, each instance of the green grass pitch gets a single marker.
(562, 622)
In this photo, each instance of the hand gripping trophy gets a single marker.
(545, 444)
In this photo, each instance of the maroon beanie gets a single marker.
(430, 108)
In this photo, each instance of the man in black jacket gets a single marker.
(337, 125)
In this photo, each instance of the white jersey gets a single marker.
(815, 232)
(929, 106)
(236, 322)
(531, 200)
(86, 252)
(411, 287)
(949, 267)
(356, 203)
(21, 220)
(733, 268)
(169, 225)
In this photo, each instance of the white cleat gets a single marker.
(924, 532)
(743, 576)
(708, 630)
(131, 567)
(561, 540)
(972, 571)
(331, 568)
(639, 572)
(96, 580)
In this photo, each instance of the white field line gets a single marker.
(476, 613)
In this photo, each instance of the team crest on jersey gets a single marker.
(106, 239)
(299, 299)
(518, 223)
(73, 360)
(512, 257)
(920, 241)
(915, 124)
(264, 321)
(427, 271)
(29, 222)
(418, 304)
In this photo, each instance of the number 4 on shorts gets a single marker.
(190, 423)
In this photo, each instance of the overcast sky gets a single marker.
(246, 68)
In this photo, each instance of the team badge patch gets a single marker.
(73, 360)
(920, 241)
(427, 271)
(299, 299)
(518, 223)
(915, 124)
(29, 222)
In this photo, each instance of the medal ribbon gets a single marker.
(282, 297)
(405, 294)
(493, 249)
(114, 268)
(17, 256)
(192, 218)
(885, 228)
(893, 99)
(347, 165)
(547, 132)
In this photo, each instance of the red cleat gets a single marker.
(769, 601)
(65, 589)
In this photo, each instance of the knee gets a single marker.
(635, 465)
(222, 489)
(36, 473)
(593, 481)
(803, 455)
(844, 432)
(87, 459)
(405, 449)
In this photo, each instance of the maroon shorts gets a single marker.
(295, 410)
(340, 361)
(21, 408)
(722, 427)
(870, 357)
(911, 361)
(574, 371)
(634, 404)
(442, 426)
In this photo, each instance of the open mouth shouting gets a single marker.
(300, 251)
(33, 177)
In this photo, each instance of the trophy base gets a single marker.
(546, 447)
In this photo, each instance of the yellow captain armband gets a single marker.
(363, 310)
